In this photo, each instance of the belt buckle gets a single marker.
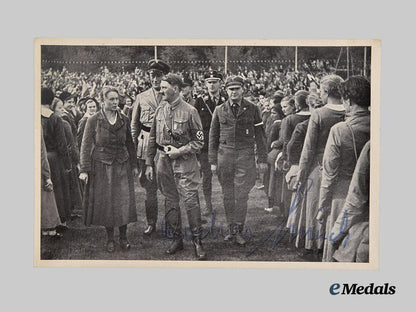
(167, 148)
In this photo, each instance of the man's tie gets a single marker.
(235, 109)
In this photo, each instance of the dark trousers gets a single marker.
(237, 176)
(151, 193)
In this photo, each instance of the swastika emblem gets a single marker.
(200, 135)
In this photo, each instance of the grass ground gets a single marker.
(266, 240)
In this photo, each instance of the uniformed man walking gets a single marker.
(236, 129)
(142, 118)
(176, 135)
(206, 106)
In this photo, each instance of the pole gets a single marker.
(365, 62)
(156, 53)
(226, 60)
(296, 59)
(348, 62)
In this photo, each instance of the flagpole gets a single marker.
(156, 53)
(296, 59)
(348, 62)
(226, 60)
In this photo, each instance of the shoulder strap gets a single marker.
(353, 141)
(209, 109)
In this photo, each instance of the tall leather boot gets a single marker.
(231, 233)
(199, 249)
(238, 238)
(208, 206)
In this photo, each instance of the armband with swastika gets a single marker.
(197, 135)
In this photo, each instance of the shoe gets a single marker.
(229, 238)
(149, 230)
(199, 250)
(124, 244)
(239, 239)
(232, 231)
(62, 227)
(176, 245)
(110, 246)
(268, 209)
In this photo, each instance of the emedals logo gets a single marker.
(355, 289)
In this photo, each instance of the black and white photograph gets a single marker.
(207, 153)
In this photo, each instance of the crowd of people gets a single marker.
(306, 134)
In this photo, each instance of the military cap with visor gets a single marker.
(213, 75)
(158, 66)
(234, 81)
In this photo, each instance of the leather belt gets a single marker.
(145, 128)
(163, 148)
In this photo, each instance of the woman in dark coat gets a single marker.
(296, 220)
(288, 126)
(49, 212)
(58, 155)
(276, 143)
(75, 200)
(91, 106)
(345, 142)
(108, 163)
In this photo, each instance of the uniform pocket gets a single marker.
(179, 126)
(222, 119)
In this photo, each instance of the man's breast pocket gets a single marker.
(180, 126)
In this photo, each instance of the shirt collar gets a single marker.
(175, 103)
(336, 107)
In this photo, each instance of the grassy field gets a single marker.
(266, 239)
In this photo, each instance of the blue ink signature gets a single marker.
(280, 231)
(212, 232)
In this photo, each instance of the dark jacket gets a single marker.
(107, 143)
(242, 132)
(54, 136)
(288, 127)
(295, 145)
(205, 107)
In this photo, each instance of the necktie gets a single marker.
(235, 109)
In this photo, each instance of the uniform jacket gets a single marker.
(144, 109)
(320, 123)
(177, 124)
(339, 158)
(106, 143)
(242, 132)
(205, 106)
